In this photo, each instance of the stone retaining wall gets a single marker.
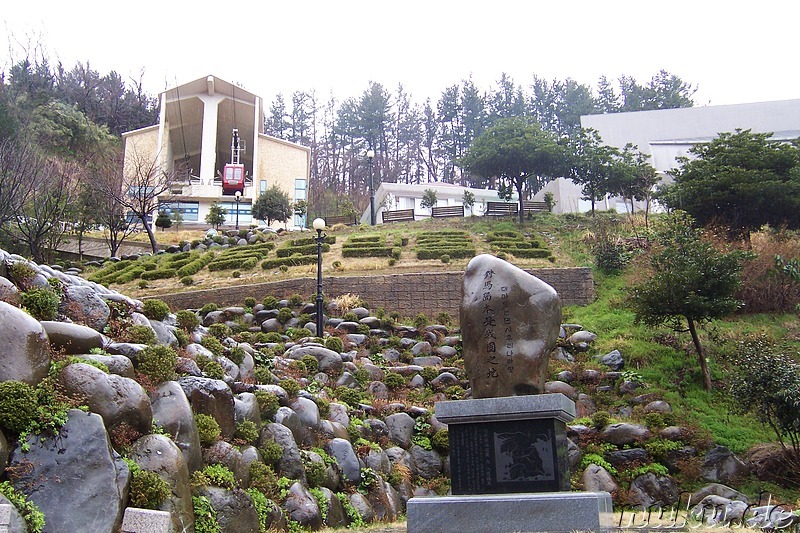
(408, 294)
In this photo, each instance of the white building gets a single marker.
(196, 123)
(398, 196)
(668, 134)
(665, 135)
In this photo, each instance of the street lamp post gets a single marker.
(238, 196)
(371, 156)
(319, 225)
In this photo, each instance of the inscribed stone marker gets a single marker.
(509, 325)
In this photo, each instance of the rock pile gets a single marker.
(248, 419)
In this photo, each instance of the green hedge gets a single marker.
(109, 269)
(365, 238)
(289, 261)
(329, 239)
(454, 253)
(235, 262)
(503, 234)
(127, 276)
(161, 273)
(367, 251)
(515, 245)
(308, 249)
(196, 265)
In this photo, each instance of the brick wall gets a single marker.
(408, 294)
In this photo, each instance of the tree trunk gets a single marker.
(701, 357)
(150, 234)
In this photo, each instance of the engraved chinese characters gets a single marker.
(509, 325)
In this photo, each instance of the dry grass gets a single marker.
(350, 266)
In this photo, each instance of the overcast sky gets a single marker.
(732, 51)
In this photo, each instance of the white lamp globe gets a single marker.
(318, 224)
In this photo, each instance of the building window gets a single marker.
(245, 212)
(299, 194)
(262, 186)
(189, 210)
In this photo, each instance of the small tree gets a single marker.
(520, 153)
(216, 215)
(163, 220)
(689, 281)
(766, 382)
(550, 201)
(468, 200)
(177, 219)
(743, 180)
(272, 205)
(428, 199)
(300, 209)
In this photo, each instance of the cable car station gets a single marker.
(210, 138)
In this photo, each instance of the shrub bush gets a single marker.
(155, 309)
(335, 344)
(441, 441)
(263, 478)
(291, 386)
(268, 404)
(18, 403)
(213, 345)
(41, 303)
(207, 428)
(147, 489)
(213, 370)
(351, 397)
(284, 315)
(187, 320)
(215, 475)
(164, 273)
(158, 363)
(141, 334)
(247, 431)
(393, 380)
(236, 355)
(271, 452)
(220, 331)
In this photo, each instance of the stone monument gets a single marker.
(508, 445)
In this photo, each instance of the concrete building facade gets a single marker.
(195, 131)
(397, 196)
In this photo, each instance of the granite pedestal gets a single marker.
(510, 470)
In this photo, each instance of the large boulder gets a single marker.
(623, 433)
(510, 321)
(157, 453)
(211, 397)
(234, 509)
(81, 304)
(721, 465)
(290, 463)
(24, 354)
(72, 339)
(597, 479)
(116, 364)
(122, 402)
(172, 412)
(75, 478)
(302, 507)
(346, 458)
(401, 429)
(652, 489)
